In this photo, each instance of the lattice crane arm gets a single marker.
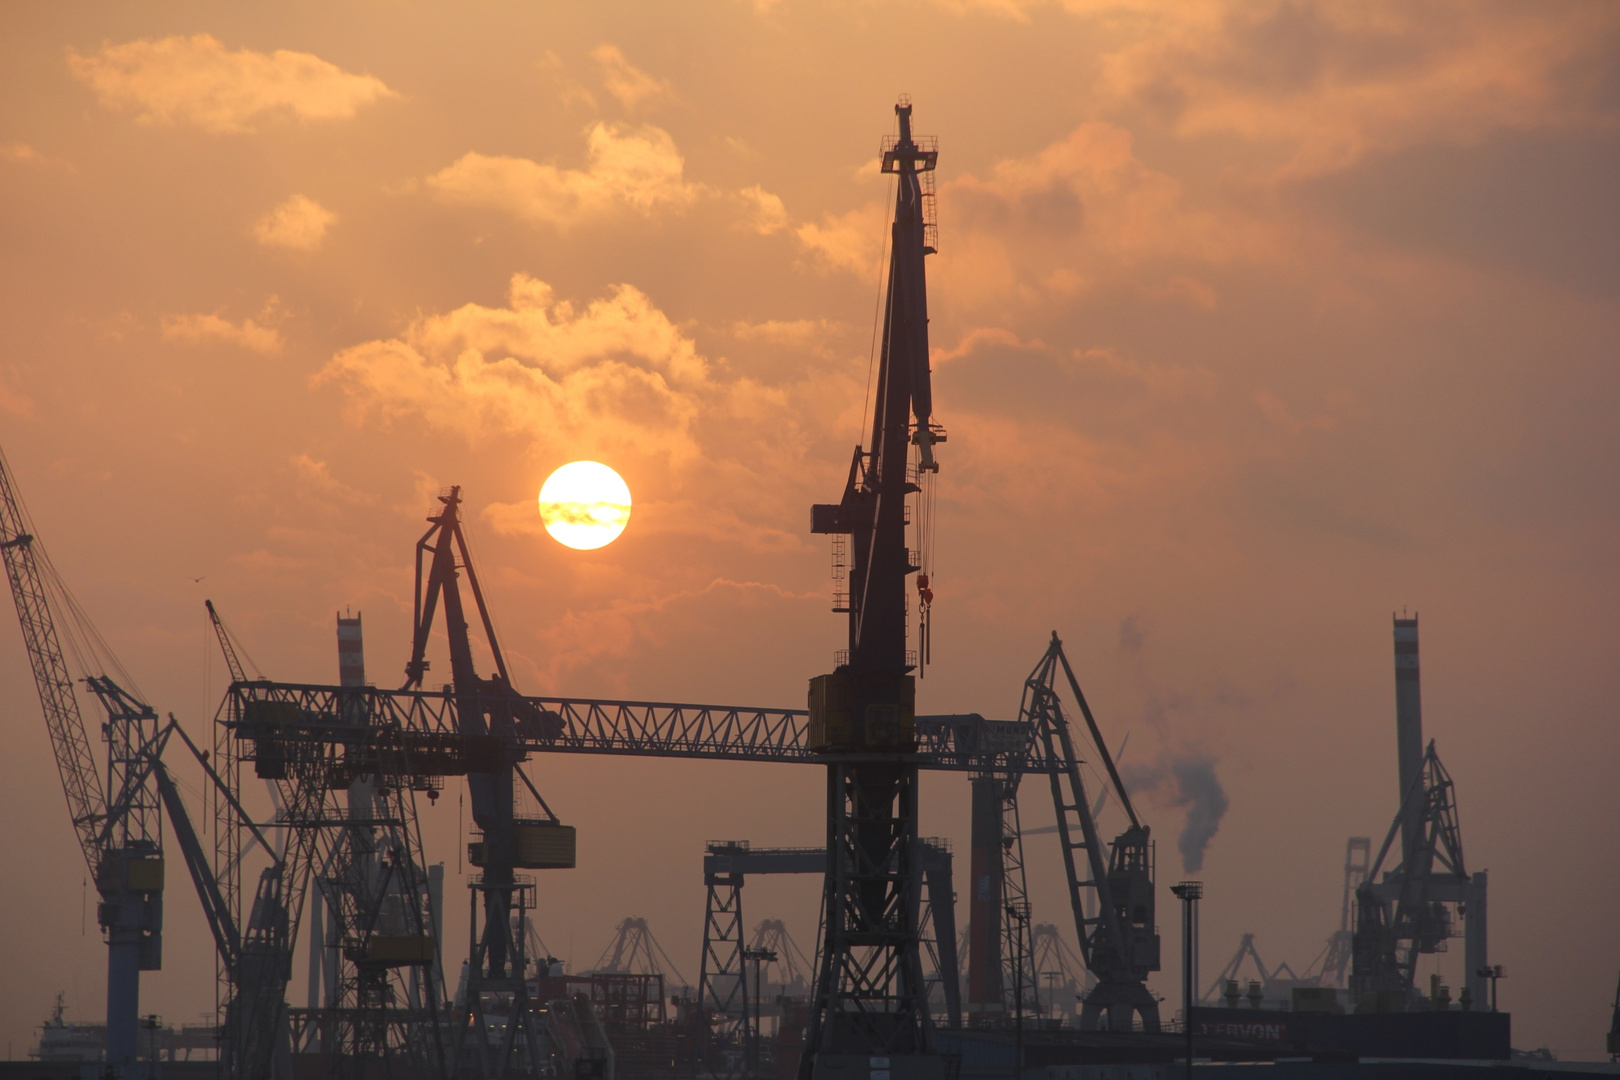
(227, 645)
(429, 726)
(1096, 735)
(27, 568)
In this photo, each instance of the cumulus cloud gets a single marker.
(196, 80)
(852, 241)
(299, 223)
(617, 373)
(637, 169)
(613, 379)
(763, 212)
(628, 84)
(197, 329)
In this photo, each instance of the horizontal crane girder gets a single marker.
(424, 728)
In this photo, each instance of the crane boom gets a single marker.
(225, 646)
(27, 567)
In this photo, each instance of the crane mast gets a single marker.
(870, 998)
(114, 809)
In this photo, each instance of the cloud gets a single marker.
(615, 374)
(628, 84)
(197, 329)
(851, 241)
(613, 379)
(316, 475)
(195, 80)
(654, 518)
(1080, 212)
(807, 334)
(1328, 84)
(570, 92)
(299, 223)
(765, 213)
(637, 169)
(1098, 366)
(21, 153)
(1086, 210)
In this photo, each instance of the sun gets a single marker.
(585, 505)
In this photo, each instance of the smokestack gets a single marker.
(1408, 724)
(988, 871)
(351, 653)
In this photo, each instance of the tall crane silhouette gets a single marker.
(870, 998)
(117, 821)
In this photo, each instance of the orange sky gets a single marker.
(1252, 323)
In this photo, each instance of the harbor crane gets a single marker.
(114, 811)
(119, 820)
(1111, 884)
(1410, 910)
(870, 998)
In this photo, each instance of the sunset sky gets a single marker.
(1252, 323)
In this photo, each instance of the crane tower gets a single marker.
(870, 999)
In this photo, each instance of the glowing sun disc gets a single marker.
(585, 505)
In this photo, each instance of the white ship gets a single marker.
(60, 1040)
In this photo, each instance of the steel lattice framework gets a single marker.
(418, 732)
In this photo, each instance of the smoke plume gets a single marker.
(1184, 780)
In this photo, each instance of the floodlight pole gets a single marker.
(1019, 910)
(760, 957)
(1190, 893)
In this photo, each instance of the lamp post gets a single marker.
(153, 1026)
(1492, 972)
(1019, 910)
(760, 957)
(1190, 893)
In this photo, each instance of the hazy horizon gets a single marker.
(1252, 324)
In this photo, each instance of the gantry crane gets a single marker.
(314, 739)
(353, 849)
(114, 810)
